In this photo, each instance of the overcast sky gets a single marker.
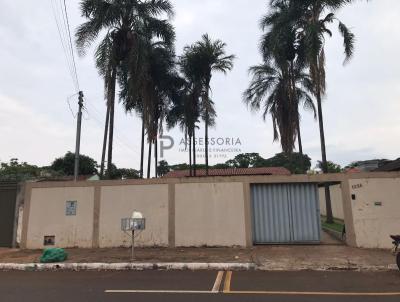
(361, 110)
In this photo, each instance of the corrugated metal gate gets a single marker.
(285, 213)
(8, 196)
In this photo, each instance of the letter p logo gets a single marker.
(166, 143)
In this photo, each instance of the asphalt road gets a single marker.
(199, 286)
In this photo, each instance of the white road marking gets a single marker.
(218, 280)
(160, 291)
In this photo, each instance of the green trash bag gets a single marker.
(53, 255)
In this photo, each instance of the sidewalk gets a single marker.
(301, 257)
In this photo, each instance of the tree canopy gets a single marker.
(296, 163)
(332, 167)
(65, 165)
(18, 171)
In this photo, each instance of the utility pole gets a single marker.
(78, 136)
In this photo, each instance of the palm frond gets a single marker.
(348, 41)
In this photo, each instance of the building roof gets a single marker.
(371, 165)
(353, 170)
(231, 172)
(389, 167)
(70, 178)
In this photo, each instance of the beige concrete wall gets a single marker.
(373, 223)
(120, 201)
(336, 199)
(210, 214)
(47, 217)
(212, 211)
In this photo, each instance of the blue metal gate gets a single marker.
(285, 213)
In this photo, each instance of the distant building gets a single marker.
(391, 166)
(230, 172)
(368, 165)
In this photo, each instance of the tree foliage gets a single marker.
(65, 165)
(245, 160)
(18, 171)
(332, 167)
(163, 168)
(296, 163)
(122, 173)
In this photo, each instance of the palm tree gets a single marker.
(184, 114)
(270, 89)
(190, 65)
(313, 18)
(210, 56)
(125, 23)
(153, 84)
(280, 83)
(279, 44)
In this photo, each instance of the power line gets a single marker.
(62, 39)
(99, 115)
(69, 106)
(62, 21)
(61, 17)
(70, 44)
(118, 138)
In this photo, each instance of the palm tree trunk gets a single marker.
(296, 103)
(142, 150)
(156, 157)
(206, 137)
(329, 214)
(103, 154)
(149, 161)
(194, 153)
(111, 134)
(190, 156)
(299, 137)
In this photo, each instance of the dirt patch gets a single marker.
(114, 255)
(266, 257)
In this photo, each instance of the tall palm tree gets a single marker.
(152, 83)
(190, 67)
(313, 19)
(279, 44)
(280, 83)
(211, 57)
(125, 23)
(184, 114)
(270, 90)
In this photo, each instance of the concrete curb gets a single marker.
(184, 266)
(125, 266)
(354, 268)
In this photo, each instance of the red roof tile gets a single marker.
(231, 172)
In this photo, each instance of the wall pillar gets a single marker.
(171, 215)
(25, 218)
(96, 217)
(348, 213)
(247, 214)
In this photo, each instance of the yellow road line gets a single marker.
(159, 292)
(283, 293)
(218, 280)
(227, 284)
